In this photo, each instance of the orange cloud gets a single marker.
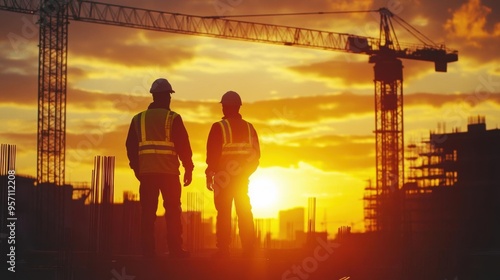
(441, 100)
(347, 154)
(356, 73)
(129, 50)
(349, 73)
(20, 89)
(22, 140)
(469, 22)
(309, 108)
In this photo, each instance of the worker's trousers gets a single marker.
(237, 191)
(170, 188)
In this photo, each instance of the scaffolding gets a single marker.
(450, 194)
(431, 163)
(370, 207)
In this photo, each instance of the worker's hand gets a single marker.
(188, 177)
(210, 183)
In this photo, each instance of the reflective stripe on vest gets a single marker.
(230, 148)
(157, 146)
(156, 150)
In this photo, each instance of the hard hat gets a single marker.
(161, 85)
(231, 98)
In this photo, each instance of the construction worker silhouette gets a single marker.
(156, 140)
(233, 154)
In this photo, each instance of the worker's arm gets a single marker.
(214, 151)
(132, 145)
(180, 138)
(253, 159)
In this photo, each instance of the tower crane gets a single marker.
(385, 52)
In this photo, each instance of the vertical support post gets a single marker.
(101, 203)
(311, 213)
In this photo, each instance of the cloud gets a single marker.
(23, 63)
(476, 28)
(87, 100)
(19, 34)
(18, 88)
(345, 155)
(346, 73)
(350, 74)
(122, 46)
(83, 145)
(22, 140)
(304, 111)
(469, 22)
(443, 100)
(309, 109)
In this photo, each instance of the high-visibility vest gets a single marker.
(157, 152)
(231, 148)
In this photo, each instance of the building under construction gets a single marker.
(451, 198)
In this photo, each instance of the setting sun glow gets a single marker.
(263, 192)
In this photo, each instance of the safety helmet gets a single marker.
(231, 98)
(161, 85)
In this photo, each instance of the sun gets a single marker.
(263, 192)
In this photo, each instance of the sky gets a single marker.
(313, 109)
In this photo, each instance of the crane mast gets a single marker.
(389, 144)
(52, 81)
(384, 52)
